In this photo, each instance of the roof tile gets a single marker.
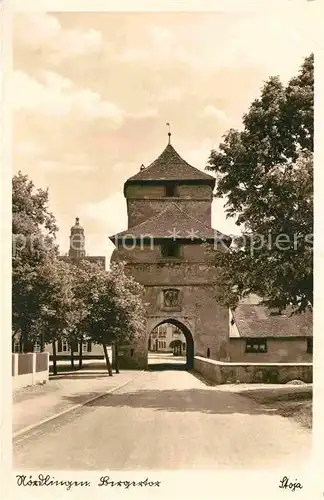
(256, 320)
(170, 166)
(173, 221)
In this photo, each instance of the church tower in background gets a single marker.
(77, 247)
(77, 241)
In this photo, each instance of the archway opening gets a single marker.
(170, 346)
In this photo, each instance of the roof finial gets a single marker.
(169, 133)
(77, 220)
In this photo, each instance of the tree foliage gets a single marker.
(33, 246)
(54, 299)
(265, 171)
(115, 308)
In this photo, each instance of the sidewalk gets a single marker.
(33, 404)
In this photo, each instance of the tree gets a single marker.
(130, 308)
(33, 245)
(59, 312)
(266, 173)
(176, 345)
(83, 282)
(115, 309)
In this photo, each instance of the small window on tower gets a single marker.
(171, 249)
(170, 190)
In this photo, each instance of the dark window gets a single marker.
(256, 345)
(170, 249)
(170, 190)
(208, 352)
(310, 345)
(89, 346)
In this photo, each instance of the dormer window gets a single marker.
(170, 190)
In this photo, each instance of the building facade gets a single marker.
(162, 339)
(261, 335)
(167, 249)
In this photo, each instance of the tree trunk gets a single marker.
(54, 358)
(80, 354)
(72, 355)
(27, 346)
(116, 357)
(42, 343)
(107, 360)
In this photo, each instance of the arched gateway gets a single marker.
(166, 250)
(185, 329)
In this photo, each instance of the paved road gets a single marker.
(165, 420)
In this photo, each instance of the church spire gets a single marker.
(169, 133)
(77, 241)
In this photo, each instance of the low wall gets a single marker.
(29, 369)
(252, 373)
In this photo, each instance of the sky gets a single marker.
(93, 92)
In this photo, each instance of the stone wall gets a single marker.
(150, 253)
(147, 200)
(249, 373)
(195, 279)
(139, 210)
(285, 350)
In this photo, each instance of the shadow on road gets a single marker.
(81, 375)
(191, 400)
(167, 366)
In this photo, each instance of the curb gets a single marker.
(71, 408)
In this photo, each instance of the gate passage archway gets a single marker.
(189, 346)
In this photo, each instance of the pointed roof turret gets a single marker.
(169, 166)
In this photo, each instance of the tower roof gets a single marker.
(173, 223)
(169, 166)
(77, 225)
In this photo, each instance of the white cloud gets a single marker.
(219, 220)
(27, 149)
(211, 111)
(275, 40)
(170, 94)
(198, 156)
(43, 30)
(132, 55)
(59, 97)
(110, 212)
(56, 166)
(146, 113)
(162, 38)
